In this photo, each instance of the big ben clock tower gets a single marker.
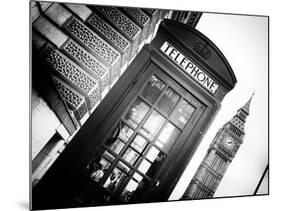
(219, 156)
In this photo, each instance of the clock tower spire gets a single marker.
(219, 156)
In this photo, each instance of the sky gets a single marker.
(244, 42)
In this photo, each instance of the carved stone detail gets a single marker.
(138, 15)
(72, 98)
(99, 71)
(68, 94)
(126, 26)
(141, 18)
(114, 37)
(118, 18)
(85, 58)
(93, 41)
(110, 33)
(69, 70)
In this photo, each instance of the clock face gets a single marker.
(229, 143)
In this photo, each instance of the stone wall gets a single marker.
(83, 51)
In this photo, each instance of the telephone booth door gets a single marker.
(143, 136)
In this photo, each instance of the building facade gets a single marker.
(219, 156)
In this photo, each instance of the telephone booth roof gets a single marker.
(204, 48)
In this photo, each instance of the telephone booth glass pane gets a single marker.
(137, 177)
(136, 112)
(139, 143)
(153, 89)
(130, 156)
(144, 166)
(167, 137)
(131, 186)
(131, 190)
(152, 125)
(117, 146)
(123, 167)
(156, 157)
(182, 113)
(96, 169)
(152, 154)
(168, 101)
(125, 132)
(108, 156)
(116, 178)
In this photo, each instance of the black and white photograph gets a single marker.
(133, 105)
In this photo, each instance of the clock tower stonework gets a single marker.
(220, 154)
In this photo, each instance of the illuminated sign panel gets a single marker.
(189, 67)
